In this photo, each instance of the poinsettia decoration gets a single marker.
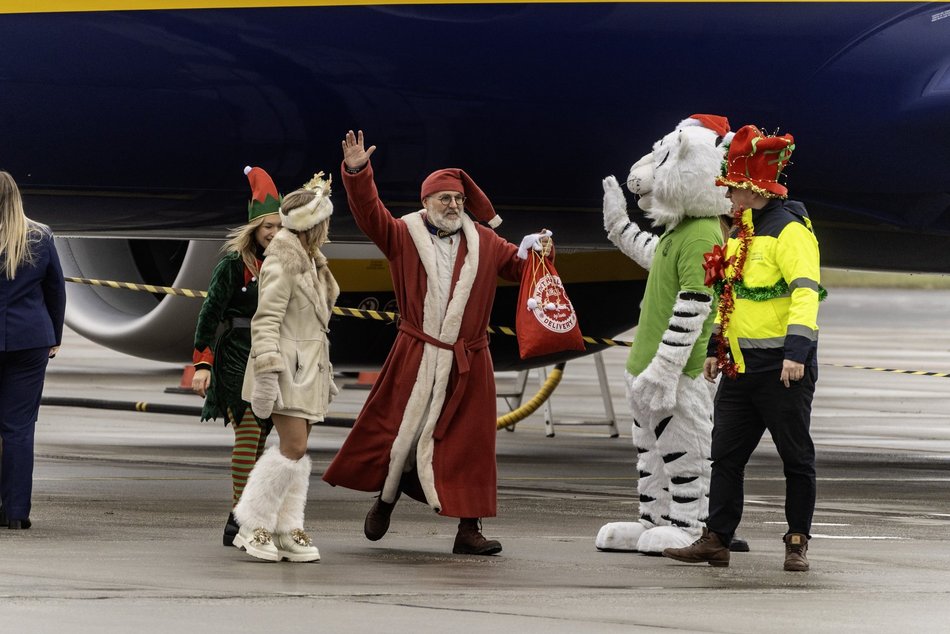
(715, 264)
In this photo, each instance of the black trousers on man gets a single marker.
(745, 407)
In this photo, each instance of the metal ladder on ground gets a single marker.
(513, 394)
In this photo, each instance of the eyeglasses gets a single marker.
(446, 199)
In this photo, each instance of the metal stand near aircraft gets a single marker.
(127, 131)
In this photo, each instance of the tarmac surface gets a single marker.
(128, 510)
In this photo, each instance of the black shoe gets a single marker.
(230, 530)
(3, 518)
(19, 524)
(739, 545)
(377, 520)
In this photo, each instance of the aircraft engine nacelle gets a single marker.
(138, 323)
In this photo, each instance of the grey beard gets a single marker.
(445, 224)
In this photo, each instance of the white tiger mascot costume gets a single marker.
(670, 400)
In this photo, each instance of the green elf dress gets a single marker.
(231, 301)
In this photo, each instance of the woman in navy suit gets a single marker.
(32, 307)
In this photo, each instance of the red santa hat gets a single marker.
(453, 179)
(264, 197)
(715, 122)
(756, 161)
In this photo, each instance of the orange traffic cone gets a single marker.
(184, 386)
(364, 381)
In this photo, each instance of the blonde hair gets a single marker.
(315, 237)
(18, 233)
(241, 240)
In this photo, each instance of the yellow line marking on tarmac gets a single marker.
(861, 537)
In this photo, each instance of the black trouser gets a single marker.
(745, 407)
(22, 373)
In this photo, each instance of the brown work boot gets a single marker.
(796, 545)
(708, 548)
(377, 520)
(470, 541)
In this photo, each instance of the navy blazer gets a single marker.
(33, 304)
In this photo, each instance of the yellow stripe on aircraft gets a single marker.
(73, 6)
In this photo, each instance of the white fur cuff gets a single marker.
(268, 362)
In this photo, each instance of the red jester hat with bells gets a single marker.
(756, 161)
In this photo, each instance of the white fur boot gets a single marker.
(292, 542)
(263, 496)
(620, 536)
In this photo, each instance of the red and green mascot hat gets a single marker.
(264, 197)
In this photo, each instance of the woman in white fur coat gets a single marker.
(289, 376)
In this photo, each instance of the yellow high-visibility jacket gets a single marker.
(776, 304)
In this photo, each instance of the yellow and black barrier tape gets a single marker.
(944, 375)
(148, 288)
(378, 315)
(193, 411)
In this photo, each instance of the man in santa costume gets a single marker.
(428, 428)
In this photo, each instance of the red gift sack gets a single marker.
(545, 320)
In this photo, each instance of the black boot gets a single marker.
(230, 530)
(470, 541)
(738, 545)
(377, 520)
(13, 524)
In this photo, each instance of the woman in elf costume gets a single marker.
(220, 362)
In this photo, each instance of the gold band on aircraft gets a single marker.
(342, 311)
(72, 6)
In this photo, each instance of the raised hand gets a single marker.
(615, 206)
(355, 156)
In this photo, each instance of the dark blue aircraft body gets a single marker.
(138, 123)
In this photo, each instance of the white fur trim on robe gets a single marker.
(436, 364)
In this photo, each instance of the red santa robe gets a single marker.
(444, 359)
